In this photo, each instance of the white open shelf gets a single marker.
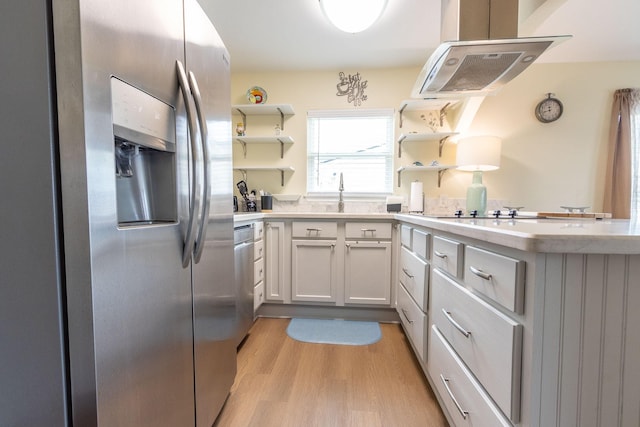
(281, 169)
(281, 139)
(441, 169)
(442, 137)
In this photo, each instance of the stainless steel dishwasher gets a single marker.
(243, 251)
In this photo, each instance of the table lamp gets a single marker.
(478, 154)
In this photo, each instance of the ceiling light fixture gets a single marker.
(353, 16)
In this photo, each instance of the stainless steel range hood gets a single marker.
(485, 53)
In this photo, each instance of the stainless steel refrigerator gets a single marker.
(117, 299)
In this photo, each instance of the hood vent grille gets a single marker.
(478, 71)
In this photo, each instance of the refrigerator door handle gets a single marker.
(196, 187)
(204, 137)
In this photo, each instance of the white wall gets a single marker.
(543, 165)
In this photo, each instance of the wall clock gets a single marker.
(549, 109)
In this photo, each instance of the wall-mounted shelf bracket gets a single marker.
(441, 172)
(441, 144)
(244, 118)
(443, 113)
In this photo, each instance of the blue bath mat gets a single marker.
(345, 332)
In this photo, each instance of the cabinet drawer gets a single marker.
(258, 271)
(258, 250)
(368, 230)
(488, 341)
(498, 277)
(258, 295)
(314, 229)
(447, 255)
(421, 243)
(258, 230)
(413, 320)
(463, 397)
(405, 236)
(414, 275)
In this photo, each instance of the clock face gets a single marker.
(549, 110)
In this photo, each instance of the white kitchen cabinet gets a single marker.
(276, 263)
(485, 339)
(464, 398)
(258, 265)
(367, 278)
(313, 270)
(551, 335)
(367, 263)
(413, 287)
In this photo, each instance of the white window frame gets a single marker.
(315, 154)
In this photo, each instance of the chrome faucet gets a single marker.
(341, 189)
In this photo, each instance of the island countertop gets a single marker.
(589, 236)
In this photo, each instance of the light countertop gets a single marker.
(535, 235)
(544, 235)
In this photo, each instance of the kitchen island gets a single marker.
(530, 322)
(525, 322)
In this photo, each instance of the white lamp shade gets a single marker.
(353, 16)
(478, 153)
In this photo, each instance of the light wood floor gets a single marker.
(286, 383)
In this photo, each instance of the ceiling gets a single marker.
(293, 35)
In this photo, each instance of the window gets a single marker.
(356, 143)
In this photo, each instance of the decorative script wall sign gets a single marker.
(352, 86)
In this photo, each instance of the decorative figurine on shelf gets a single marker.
(240, 129)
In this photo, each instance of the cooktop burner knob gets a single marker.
(497, 213)
(458, 213)
(513, 213)
(473, 213)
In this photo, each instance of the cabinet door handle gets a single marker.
(480, 273)
(455, 324)
(445, 382)
(439, 254)
(407, 273)
(348, 245)
(333, 246)
(405, 316)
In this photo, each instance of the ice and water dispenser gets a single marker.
(144, 130)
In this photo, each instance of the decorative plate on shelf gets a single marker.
(257, 95)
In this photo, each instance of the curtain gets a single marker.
(621, 167)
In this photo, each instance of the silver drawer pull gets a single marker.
(368, 230)
(439, 254)
(456, 325)
(480, 273)
(445, 382)
(317, 230)
(407, 273)
(406, 317)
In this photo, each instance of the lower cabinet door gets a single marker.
(463, 397)
(258, 296)
(413, 320)
(367, 273)
(313, 270)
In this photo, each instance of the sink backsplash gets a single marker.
(433, 206)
